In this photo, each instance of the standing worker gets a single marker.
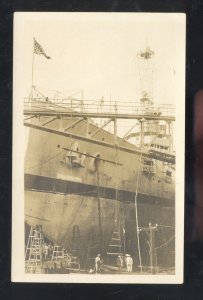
(98, 263)
(119, 262)
(129, 263)
(45, 250)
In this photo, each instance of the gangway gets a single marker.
(122, 109)
(133, 116)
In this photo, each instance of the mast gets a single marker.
(146, 88)
(146, 103)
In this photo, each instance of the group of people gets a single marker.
(121, 262)
(47, 250)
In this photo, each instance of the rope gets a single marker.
(45, 162)
(99, 209)
(136, 213)
(166, 226)
(166, 243)
(116, 189)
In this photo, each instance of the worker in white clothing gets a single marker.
(98, 263)
(129, 263)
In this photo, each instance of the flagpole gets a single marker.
(33, 58)
(37, 49)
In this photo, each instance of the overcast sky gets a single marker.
(98, 53)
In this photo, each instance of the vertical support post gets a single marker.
(170, 137)
(152, 248)
(136, 214)
(82, 103)
(87, 127)
(115, 131)
(142, 132)
(61, 123)
(116, 160)
(99, 212)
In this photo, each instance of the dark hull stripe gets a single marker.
(58, 186)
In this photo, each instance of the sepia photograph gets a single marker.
(98, 147)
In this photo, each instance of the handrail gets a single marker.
(97, 108)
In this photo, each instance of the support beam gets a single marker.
(125, 137)
(104, 125)
(152, 250)
(73, 124)
(31, 117)
(126, 116)
(49, 121)
(153, 266)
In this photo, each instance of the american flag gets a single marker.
(39, 50)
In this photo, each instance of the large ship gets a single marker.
(95, 191)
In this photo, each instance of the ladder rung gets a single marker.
(32, 256)
(59, 256)
(113, 253)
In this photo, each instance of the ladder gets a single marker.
(73, 264)
(115, 247)
(33, 251)
(58, 253)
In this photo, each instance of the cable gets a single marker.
(166, 226)
(166, 243)
(45, 162)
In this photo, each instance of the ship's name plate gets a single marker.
(68, 177)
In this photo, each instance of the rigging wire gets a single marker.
(99, 210)
(166, 226)
(165, 243)
(45, 162)
(136, 212)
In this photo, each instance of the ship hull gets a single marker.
(79, 205)
(59, 213)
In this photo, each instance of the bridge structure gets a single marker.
(97, 109)
(80, 110)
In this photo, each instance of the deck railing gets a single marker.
(98, 106)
